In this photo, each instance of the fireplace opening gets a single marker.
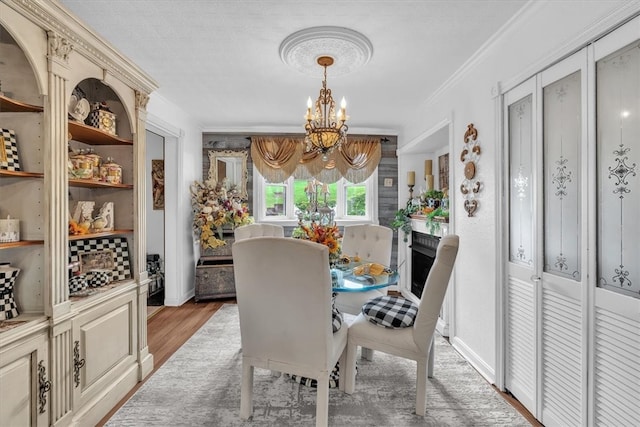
(423, 254)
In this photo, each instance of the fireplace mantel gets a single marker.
(439, 229)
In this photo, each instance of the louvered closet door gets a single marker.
(523, 265)
(615, 357)
(546, 293)
(563, 293)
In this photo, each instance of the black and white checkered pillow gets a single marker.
(390, 311)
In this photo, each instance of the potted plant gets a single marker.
(402, 220)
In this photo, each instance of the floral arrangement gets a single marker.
(214, 207)
(328, 235)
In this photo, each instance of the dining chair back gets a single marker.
(411, 342)
(370, 242)
(258, 230)
(283, 291)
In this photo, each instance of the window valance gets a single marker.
(278, 158)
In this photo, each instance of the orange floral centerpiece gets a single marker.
(328, 235)
(214, 208)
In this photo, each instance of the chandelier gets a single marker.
(325, 131)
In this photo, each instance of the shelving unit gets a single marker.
(58, 341)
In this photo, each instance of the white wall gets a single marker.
(155, 217)
(541, 34)
(182, 162)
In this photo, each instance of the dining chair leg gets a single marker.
(246, 391)
(350, 371)
(421, 387)
(342, 362)
(431, 358)
(322, 402)
(367, 354)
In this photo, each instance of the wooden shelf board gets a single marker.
(94, 136)
(98, 235)
(21, 174)
(87, 183)
(11, 105)
(20, 243)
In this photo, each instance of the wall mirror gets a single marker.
(230, 169)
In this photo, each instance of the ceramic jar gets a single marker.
(111, 172)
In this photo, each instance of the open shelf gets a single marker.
(21, 174)
(21, 243)
(94, 136)
(9, 105)
(101, 234)
(87, 183)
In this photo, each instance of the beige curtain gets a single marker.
(278, 158)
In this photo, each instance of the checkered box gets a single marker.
(103, 120)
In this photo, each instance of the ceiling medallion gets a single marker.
(350, 49)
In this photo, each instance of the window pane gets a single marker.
(356, 200)
(562, 179)
(521, 200)
(618, 180)
(275, 199)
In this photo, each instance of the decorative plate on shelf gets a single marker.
(79, 108)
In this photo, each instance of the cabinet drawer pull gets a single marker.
(43, 386)
(77, 363)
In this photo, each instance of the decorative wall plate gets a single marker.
(469, 156)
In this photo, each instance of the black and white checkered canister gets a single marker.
(8, 307)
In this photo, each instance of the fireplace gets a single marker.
(423, 254)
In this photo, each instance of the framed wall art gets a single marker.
(157, 183)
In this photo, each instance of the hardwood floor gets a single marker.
(170, 327)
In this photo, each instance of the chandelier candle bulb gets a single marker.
(411, 178)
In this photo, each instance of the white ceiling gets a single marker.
(218, 59)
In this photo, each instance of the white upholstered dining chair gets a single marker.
(370, 242)
(283, 289)
(258, 230)
(411, 342)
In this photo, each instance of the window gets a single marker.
(282, 202)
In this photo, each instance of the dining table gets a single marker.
(361, 276)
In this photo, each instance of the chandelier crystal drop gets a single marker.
(325, 129)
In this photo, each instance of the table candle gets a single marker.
(411, 178)
(428, 167)
(9, 230)
(429, 179)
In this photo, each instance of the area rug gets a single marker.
(200, 386)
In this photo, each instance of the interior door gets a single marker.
(563, 293)
(545, 296)
(523, 265)
(615, 355)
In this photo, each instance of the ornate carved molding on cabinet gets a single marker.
(469, 156)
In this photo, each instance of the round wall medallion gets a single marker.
(470, 170)
(350, 50)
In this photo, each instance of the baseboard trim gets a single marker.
(474, 360)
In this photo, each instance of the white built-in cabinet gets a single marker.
(68, 360)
